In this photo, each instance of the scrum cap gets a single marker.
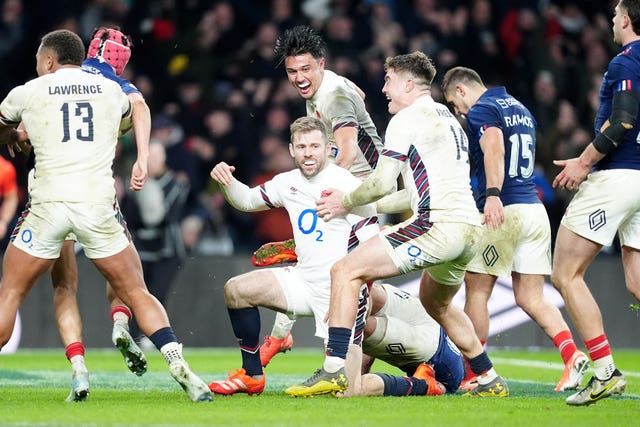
(112, 46)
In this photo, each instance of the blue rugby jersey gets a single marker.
(95, 66)
(496, 108)
(622, 74)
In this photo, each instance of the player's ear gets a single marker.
(291, 150)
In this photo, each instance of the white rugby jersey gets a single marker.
(319, 244)
(433, 146)
(337, 104)
(72, 118)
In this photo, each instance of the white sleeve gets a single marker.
(382, 181)
(397, 202)
(12, 107)
(243, 198)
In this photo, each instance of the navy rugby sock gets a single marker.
(246, 327)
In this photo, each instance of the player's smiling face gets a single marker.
(395, 86)
(305, 73)
(310, 152)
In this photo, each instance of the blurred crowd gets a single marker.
(216, 92)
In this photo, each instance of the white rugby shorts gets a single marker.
(444, 249)
(522, 244)
(607, 202)
(45, 226)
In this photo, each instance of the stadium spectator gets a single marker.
(170, 34)
(153, 217)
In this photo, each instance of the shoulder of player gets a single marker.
(286, 177)
(341, 178)
(334, 85)
(624, 66)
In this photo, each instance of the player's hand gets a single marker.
(222, 173)
(22, 145)
(572, 175)
(330, 204)
(138, 176)
(493, 213)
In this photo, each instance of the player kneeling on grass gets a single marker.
(303, 289)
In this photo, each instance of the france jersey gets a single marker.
(101, 68)
(319, 244)
(337, 104)
(496, 108)
(622, 74)
(73, 120)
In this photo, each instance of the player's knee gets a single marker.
(634, 288)
(558, 281)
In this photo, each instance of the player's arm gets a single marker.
(397, 202)
(239, 195)
(492, 146)
(141, 120)
(625, 106)
(346, 140)
(381, 182)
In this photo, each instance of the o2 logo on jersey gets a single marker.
(307, 223)
(414, 252)
(26, 236)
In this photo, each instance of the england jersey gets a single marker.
(496, 108)
(623, 74)
(337, 104)
(432, 145)
(319, 244)
(73, 119)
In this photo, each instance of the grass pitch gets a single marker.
(34, 385)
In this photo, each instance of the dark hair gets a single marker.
(460, 75)
(416, 63)
(298, 41)
(67, 45)
(633, 11)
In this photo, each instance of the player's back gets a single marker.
(73, 118)
(436, 170)
(497, 108)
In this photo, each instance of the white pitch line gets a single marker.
(545, 365)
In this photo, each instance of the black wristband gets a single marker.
(493, 191)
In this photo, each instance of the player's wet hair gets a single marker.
(462, 75)
(416, 63)
(633, 11)
(67, 46)
(298, 41)
(307, 124)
